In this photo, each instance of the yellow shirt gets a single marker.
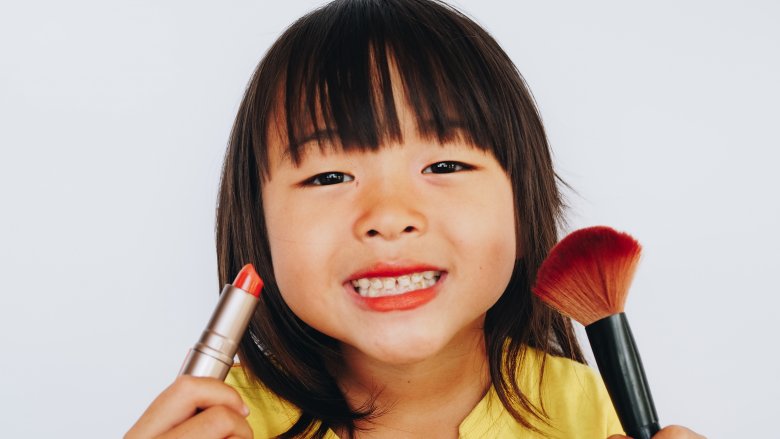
(574, 397)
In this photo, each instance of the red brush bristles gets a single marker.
(587, 274)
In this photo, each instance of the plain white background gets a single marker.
(114, 118)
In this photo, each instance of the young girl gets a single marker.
(389, 176)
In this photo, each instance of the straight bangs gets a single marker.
(337, 87)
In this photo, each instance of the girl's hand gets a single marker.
(194, 407)
(670, 432)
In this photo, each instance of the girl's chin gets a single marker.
(405, 352)
(402, 358)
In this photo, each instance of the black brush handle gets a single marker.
(620, 366)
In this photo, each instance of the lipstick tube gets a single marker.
(212, 356)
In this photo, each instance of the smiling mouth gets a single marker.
(393, 286)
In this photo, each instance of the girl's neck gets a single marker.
(429, 397)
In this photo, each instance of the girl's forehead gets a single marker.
(316, 129)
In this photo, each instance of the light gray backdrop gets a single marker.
(113, 122)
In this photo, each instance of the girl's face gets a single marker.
(380, 220)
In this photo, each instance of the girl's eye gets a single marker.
(446, 167)
(328, 178)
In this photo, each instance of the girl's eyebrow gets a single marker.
(305, 143)
(329, 133)
(323, 137)
(319, 134)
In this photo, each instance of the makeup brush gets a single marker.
(586, 276)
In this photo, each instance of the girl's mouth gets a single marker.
(393, 286)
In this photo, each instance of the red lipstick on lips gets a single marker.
(399, 302)
(213, 355)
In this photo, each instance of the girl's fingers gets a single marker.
(677, 432)
(181, 400)
(213, 423)
(670, 432)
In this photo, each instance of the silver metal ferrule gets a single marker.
(213, 355)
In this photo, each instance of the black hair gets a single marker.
(329, 75)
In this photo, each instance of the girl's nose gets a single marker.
(390, 215)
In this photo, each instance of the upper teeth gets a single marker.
(388, 286)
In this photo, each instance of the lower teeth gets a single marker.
(375, 292)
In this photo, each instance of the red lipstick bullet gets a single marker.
(213, 355)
